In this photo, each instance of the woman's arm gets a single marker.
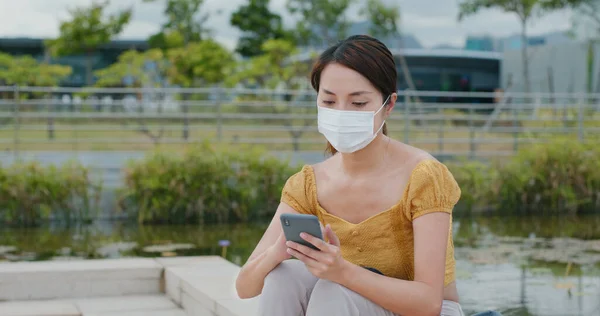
(423, 296)
(267, 255)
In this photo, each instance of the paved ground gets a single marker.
(153, 305)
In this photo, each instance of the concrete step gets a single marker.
(75, 279)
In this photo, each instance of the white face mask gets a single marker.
(348, 131)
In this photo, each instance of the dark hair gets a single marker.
(365, 55)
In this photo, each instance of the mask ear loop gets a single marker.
(382, 123)
(383, 105)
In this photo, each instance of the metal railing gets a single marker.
(473, 124)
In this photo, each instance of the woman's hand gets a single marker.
(278, 250)
(327, 263)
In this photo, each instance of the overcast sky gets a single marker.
(433, 22)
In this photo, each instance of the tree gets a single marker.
(136, 69)
(26, 71)
(320, 21)
(86, 30)
(524, 9)
(258, 24)
(139, 69)
(384, 22)
(197, 64)
(184, 18)
(166, 40)
(271, 70)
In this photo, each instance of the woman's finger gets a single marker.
(307, 251)
(317, 242)
(302, 257)
(333, 238)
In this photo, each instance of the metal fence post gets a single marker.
(441, 130)
(51, 111)
(219, 114)
(407, 105)
(580, 118)
(471, 134)
(17, 122)
(516, 129)
(185, 96)
(536, 106)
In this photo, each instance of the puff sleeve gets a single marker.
(297, 192)
(432, 188)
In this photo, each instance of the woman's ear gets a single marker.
(390, 105)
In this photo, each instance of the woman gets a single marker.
(386, 208)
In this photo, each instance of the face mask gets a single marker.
(348, 131)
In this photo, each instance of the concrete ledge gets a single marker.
(199, 286)
(87, 278)
(49, 308)
(207, 287)
(156, 305)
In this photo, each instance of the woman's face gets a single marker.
(342, 88)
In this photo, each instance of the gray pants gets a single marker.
(291, 290)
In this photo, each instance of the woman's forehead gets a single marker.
(340, 80)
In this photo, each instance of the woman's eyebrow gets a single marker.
(352, 94)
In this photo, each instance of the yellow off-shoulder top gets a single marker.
(384, 241)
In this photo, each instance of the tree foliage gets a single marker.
(132, 69)
(274, 69)
(26, 71)
(258, 24)
(166, 40)
(184, 18)
(271, 68)
(384, 19)
(320, 21)
(204, 62)
(86, 30)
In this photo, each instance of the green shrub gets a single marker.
(31, 193)
(562, 176)
(204, 185)
(476, 180)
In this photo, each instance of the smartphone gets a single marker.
(294, 224)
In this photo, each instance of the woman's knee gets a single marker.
(330, 298)
(290, 275)
(326, 292)
(326, 287)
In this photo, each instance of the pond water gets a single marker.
(516, 265)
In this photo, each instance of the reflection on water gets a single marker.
(519, 266)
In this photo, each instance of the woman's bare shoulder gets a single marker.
(407, 157)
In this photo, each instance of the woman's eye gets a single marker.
(328, 102)
(359, 103)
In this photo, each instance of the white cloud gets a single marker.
(433, 22)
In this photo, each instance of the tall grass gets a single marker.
(204, 185)
(31, 193)
(559, 177)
